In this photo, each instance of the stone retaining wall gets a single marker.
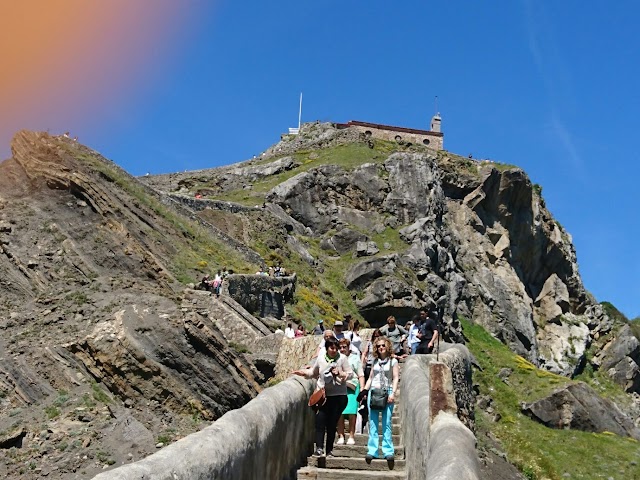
(438, 445)
(266, 439)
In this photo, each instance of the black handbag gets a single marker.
(379, 398)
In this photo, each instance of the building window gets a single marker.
(426, 141)
(368, 133)
(398, 138)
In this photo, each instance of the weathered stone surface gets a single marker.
(368, 270)
(578, 406)
(343, 241)
(366, 249)
(180, 363)
(620, 358)
(429, 435)
(553, 299)
(563, 343)
(261, 440)
(261, 295)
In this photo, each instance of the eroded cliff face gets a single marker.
(102, 353)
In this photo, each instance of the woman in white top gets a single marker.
(385, 373)
(353, 336)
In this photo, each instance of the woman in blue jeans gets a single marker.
(384, 374)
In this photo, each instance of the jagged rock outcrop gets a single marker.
(579, 407)
(620, 358)
(261, 295)
(153, 353)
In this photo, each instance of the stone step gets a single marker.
(361, 451)
(313, 473)
(352, 463)
(363, 438)
(394, 423)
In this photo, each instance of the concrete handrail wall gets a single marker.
(438, 445)
(267, 438)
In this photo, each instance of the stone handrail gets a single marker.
(438, 445)
(267, 438)
(271, 435)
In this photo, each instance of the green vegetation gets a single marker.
(79, 298)
(98, 393)
(537, 189)
(538, 451)
(104, 457)
(52, 411)
(239, 348)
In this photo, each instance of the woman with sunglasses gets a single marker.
(332, 370)
(384, 374)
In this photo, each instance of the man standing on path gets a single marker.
(428, 333)
(395, 333)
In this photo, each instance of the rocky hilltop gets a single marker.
(106, 353)
(408, 228)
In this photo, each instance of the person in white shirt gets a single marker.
(289, 332)
(412, 340)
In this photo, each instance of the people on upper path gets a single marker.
(319, 328)
(332, 371)
(384, 375)
(217, 283)
(428, 333)
(289, 332)
(354, 386)
(395, 333)
(353, 334)
(412, 339)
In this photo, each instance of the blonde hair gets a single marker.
(387, 343)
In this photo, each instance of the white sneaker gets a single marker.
(340, 441)
(351, 441)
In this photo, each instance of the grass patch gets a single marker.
(52, 411)
(540, 452)
(239, 348)
(98, 394)
(347, 156)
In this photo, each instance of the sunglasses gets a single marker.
(382, 345)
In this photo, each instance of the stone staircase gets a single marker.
(348, 461)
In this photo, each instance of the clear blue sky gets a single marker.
(549, 86)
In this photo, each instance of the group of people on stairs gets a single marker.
(349, 375)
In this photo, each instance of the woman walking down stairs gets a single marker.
(348, 462)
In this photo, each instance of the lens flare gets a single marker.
(64, 60)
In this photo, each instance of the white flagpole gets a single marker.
(300, 112)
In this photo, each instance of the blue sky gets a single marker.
(548, 86)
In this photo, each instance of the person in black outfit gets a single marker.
(428, 333)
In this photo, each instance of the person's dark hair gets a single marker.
(289, 325)
(331, 342)
(376, 333)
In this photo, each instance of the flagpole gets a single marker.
(300, 112)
